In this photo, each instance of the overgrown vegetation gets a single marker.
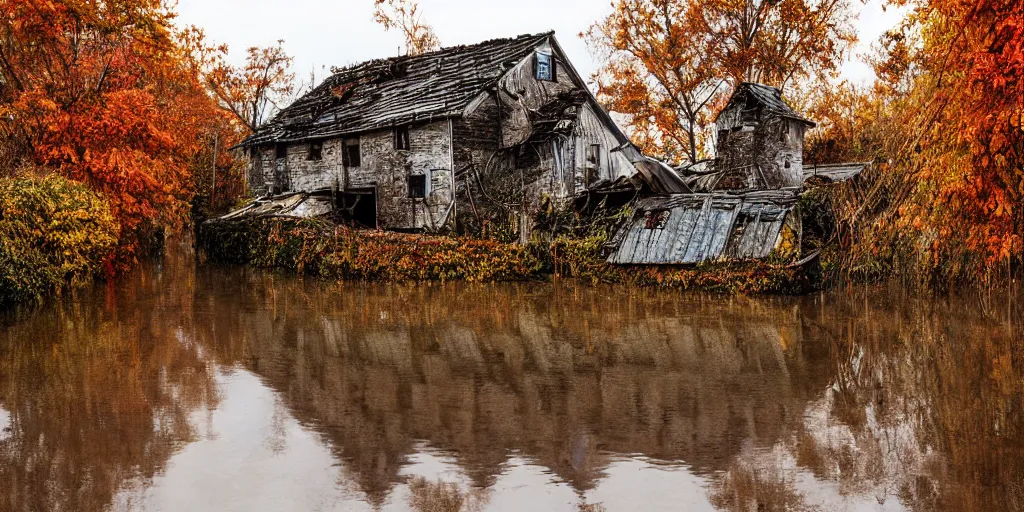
(116, 97)
(943, 122)
(55, 234)
(322, 249)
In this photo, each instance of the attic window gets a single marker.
(280, 151)
(402, 138)
(316, 151)
(417, 186)
(350, 156)
(545, 66)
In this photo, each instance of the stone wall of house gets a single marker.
(297, 171)
(388, 170)
(759, 153)
(382, 167)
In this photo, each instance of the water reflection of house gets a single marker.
(559, 380)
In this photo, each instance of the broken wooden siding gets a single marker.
(691, 228)
(591, 130)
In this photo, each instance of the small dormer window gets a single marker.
(545, 66)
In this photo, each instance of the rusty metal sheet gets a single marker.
(835, 173)
(757, 230)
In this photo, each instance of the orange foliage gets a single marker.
(254, 92)
(668, 64)
(103, 93)
(945, 121)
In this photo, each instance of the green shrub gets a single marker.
(54, 234)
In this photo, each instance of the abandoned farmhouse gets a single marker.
(477, 139)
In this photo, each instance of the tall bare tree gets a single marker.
(405, 16)
(255, 91)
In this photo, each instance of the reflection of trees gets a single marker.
(99, 390)
(561, 374)
(925, 406)
(879, 396)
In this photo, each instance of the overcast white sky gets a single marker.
(325, 33)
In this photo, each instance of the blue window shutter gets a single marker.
(545, 66)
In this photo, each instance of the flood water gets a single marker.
(211, 388)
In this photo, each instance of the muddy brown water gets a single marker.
(215, 388)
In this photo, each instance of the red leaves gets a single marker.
(103, 94)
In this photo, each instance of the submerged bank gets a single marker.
(321, 248)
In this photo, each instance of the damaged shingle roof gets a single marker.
(401, 90)
(769, 97)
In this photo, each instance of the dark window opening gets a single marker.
(351, 156)
(358, 207)
(280, 151)
(526, 157)
(656, 219)
(316, 151)
(402, 138)
(418, 186)
(545, 67)
(594, 167)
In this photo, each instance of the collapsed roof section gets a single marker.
(391, 92)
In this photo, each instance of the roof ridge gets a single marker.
(396, 90)
(335, 70)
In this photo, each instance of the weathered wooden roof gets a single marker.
(691, 228)
(401, 90)
(770, 99)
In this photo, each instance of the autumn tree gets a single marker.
(100, 92)
(944, 204)
(667, 64)
(254, 92)
(405, 16)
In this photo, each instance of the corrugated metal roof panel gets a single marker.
(677, 229)
(691, 228)
(835, 172)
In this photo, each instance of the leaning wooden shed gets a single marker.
(691, 228)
